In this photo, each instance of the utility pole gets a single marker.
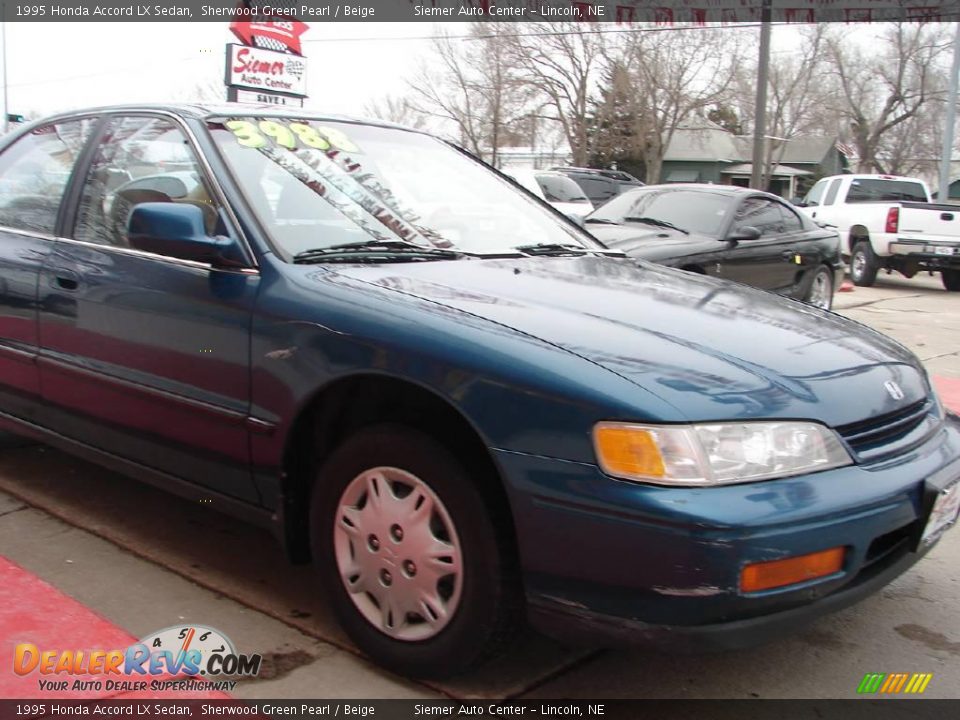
(947, 155)
(3, 38)
(760, 114)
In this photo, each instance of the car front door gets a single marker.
(144, 355)
(34, 171)
(764, 262)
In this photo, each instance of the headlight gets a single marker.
(715, 453)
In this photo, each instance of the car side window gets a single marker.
(139, 160)
(816, 193)
(760, 213)
(791, 221)
(597, 188)
(34, 172)
(832, 192)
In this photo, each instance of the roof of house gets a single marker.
(704, 141)
(781, 170)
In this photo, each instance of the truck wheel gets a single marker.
(420, 577)
(863, 265)
(951, 280)
(820, 292)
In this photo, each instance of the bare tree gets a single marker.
(886, 85)
(560, 62)
(396, 109)
(675, 77)
(794, 98)
(475, 86)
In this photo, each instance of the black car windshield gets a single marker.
(560, 188)
(696, 211)
(317, 183)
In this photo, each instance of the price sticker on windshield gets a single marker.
(289, 135)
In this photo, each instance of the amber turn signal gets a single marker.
(767, 575)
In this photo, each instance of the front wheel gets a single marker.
(820, 292)
(951, 279)
(864, 265)
(403, 537)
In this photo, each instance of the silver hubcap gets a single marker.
(820, 291)
(398, 554)
(859, 265)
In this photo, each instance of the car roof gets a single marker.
(704, 187)
(207, 111)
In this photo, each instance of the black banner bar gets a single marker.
(313, 709)
(658, 12)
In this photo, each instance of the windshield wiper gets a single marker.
(374, 248)
(658, 223)
(600, 220)
(552, 249)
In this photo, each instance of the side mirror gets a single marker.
(747, 232)
(576, 219)
(176, 230)
(798, 201)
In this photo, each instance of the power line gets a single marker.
(612, 31)
(559, 33)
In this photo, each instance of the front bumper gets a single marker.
(611, 562)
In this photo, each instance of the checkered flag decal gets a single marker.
(270, 43)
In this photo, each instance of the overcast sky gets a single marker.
(62, 66)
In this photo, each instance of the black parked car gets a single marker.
(600, 185)
(729, 232)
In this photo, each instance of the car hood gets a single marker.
(653, 243)
(714, 350)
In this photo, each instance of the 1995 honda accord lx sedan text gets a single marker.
(465, 410)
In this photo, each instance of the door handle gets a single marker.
(66, 279)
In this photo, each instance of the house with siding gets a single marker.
(705, 152)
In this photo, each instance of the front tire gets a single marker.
(864, 265)
(402, 535)
(820, 292)
(951, 280)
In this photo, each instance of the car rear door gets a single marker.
(764, 262)
(34, 172)
(146, 356)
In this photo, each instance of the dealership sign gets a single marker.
(266, 70)
(263, 98)
(284, 34)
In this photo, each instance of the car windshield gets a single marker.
(560, 188)
(698, 211)
(316, 184)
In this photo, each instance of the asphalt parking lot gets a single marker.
(144, 560)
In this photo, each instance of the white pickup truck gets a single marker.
(888, 222)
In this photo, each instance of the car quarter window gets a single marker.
(832, 192)
(816, 193)
(34, 172)
(139, 160)
(760, 213)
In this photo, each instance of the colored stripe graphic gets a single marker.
(893, 683)
(871, 682)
